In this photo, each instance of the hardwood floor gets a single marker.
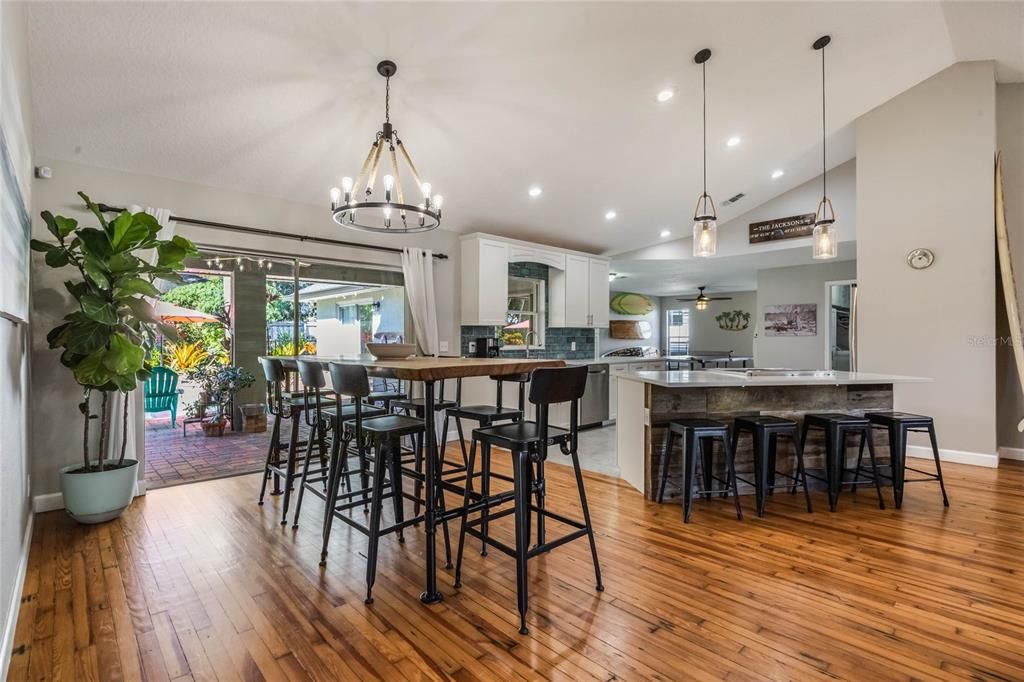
(197, 582)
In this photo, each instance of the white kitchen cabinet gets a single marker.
(598, 293)
(484, 281)
(576, 293)
(614, 372)
(518, 253)
(579, 294)
(577, 284)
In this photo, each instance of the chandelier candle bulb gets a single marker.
(425, 187)
(335, 197)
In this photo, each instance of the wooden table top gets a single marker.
(432, 369)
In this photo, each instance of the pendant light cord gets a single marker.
(704, 92)
(824, 172)
(387, 100)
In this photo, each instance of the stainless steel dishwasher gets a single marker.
(594, 405)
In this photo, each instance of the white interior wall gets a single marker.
(606, 343)
(705, 333)
(15, 476)
(924, 179)
(52, 383)
(800, 284)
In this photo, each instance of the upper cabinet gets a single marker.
(579, 293)
(484, 282)
(577, 283)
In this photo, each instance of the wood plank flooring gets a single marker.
(198, 583)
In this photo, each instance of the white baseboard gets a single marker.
(55, 501)
(15, 606)
(1011, 453)
(979, 459)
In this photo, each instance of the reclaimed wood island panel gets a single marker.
(648, 401)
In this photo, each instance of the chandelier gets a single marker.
(354, 204)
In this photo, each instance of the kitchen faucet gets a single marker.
(526, 341)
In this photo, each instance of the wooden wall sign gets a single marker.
(792, 227)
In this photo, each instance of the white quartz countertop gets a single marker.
(615, 360)
(713, 379)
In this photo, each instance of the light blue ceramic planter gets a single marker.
(100, 495)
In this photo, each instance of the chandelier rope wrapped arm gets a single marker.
(355, 204)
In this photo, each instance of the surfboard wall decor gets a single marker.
(631, 304)
(1007, 278)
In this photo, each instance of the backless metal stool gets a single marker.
(837, 426)
(325, 414)
(699, 436)
(898, 425)
(765, 431)
(529, 442)
(282, 406)
(383, 433)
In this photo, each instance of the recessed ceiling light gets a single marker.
(665, 95)
(535, 191)
(777, 173)
(666, 233)
(610, 215)
(732, 141)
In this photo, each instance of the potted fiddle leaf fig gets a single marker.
(106, 340)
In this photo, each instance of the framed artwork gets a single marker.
(795, 319)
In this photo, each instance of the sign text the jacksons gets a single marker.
(782, 228)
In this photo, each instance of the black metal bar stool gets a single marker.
(898, 425)
(488, 415)
(765, 431)
(383, 433)
(282, 406)
(386, 395)
(837, 426)
(699, 436)
(529, 442)
(323, 420)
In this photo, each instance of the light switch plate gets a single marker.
(444, 346)
(472, 347)
(572, 346)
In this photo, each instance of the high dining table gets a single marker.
(428, 371)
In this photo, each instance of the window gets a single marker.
(525, 314)
(678, 325)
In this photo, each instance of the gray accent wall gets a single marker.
(800, 284)
(924, 179)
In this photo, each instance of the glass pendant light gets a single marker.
(705, 217)
(826, 242)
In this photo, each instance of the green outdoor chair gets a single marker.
(162, 392)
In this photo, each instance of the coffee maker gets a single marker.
(487, 347)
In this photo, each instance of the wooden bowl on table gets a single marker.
(391, 351)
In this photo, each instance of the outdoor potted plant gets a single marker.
(107, 339)
(220, 383)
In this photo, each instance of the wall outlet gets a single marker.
(472, 347)
(572, 346)
(444, 346)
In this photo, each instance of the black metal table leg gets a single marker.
(431, 595)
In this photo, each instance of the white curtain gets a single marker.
(135, 448)
(418, 268)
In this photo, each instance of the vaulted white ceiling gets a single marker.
(283, 99)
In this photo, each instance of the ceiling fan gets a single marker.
(703, 299)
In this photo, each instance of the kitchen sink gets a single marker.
(776, 372)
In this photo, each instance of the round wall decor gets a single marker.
(919, 259)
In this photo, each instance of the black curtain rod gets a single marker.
(270, 233)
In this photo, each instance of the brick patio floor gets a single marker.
(172, 458)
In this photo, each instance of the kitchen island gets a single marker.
(648, 401)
